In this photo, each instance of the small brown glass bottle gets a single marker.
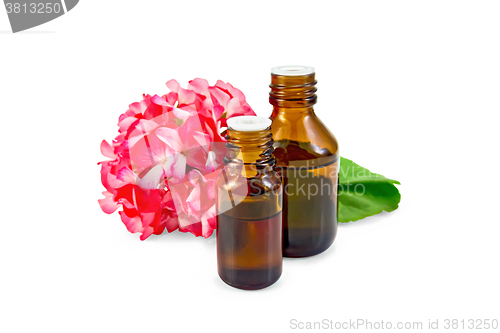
(249, 205)
(307, 156)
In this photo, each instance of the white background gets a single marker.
(410, 89)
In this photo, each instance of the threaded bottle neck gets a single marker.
(292, 91)
(249, 147)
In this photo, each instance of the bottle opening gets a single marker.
(248, 123)
(292, 70)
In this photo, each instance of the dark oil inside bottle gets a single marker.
(309, 176)
(249, 250)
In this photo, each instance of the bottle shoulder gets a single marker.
(303, 137)
(302, 154)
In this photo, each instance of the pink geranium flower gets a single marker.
(188, 144)
(162, 165)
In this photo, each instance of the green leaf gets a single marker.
(363, 193)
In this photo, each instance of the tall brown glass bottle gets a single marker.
(249, 206)
(307, 157)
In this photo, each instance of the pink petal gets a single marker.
(173, 85)
(144, 127)
(232, 91)
(168, 202)
(193, 199)
(159, 101)
(186, 221)
(108, 204)
(182, 114)
(186, 97)
(113, 181)
(170, 137)
(152, 179)
(138, 107)
(211, 164)
(190, 125)
(233, 107)
(133, 224)
(148, 222)
(179, 194)
(126, 175)
(179, 168)
(167, 166)
(219, 96)
(218, 111)
(212, 219)
(134, 109)
(195, 176)
(196, 157)
(107, 150)
(208, 221)
(105, 170)
(125, 123)
(247, 110)
(171, 223)
(199, 86)
(147, 152)
(148, 231)
(126, 203)
(210, 179)
(171, 98)
(201, 140)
